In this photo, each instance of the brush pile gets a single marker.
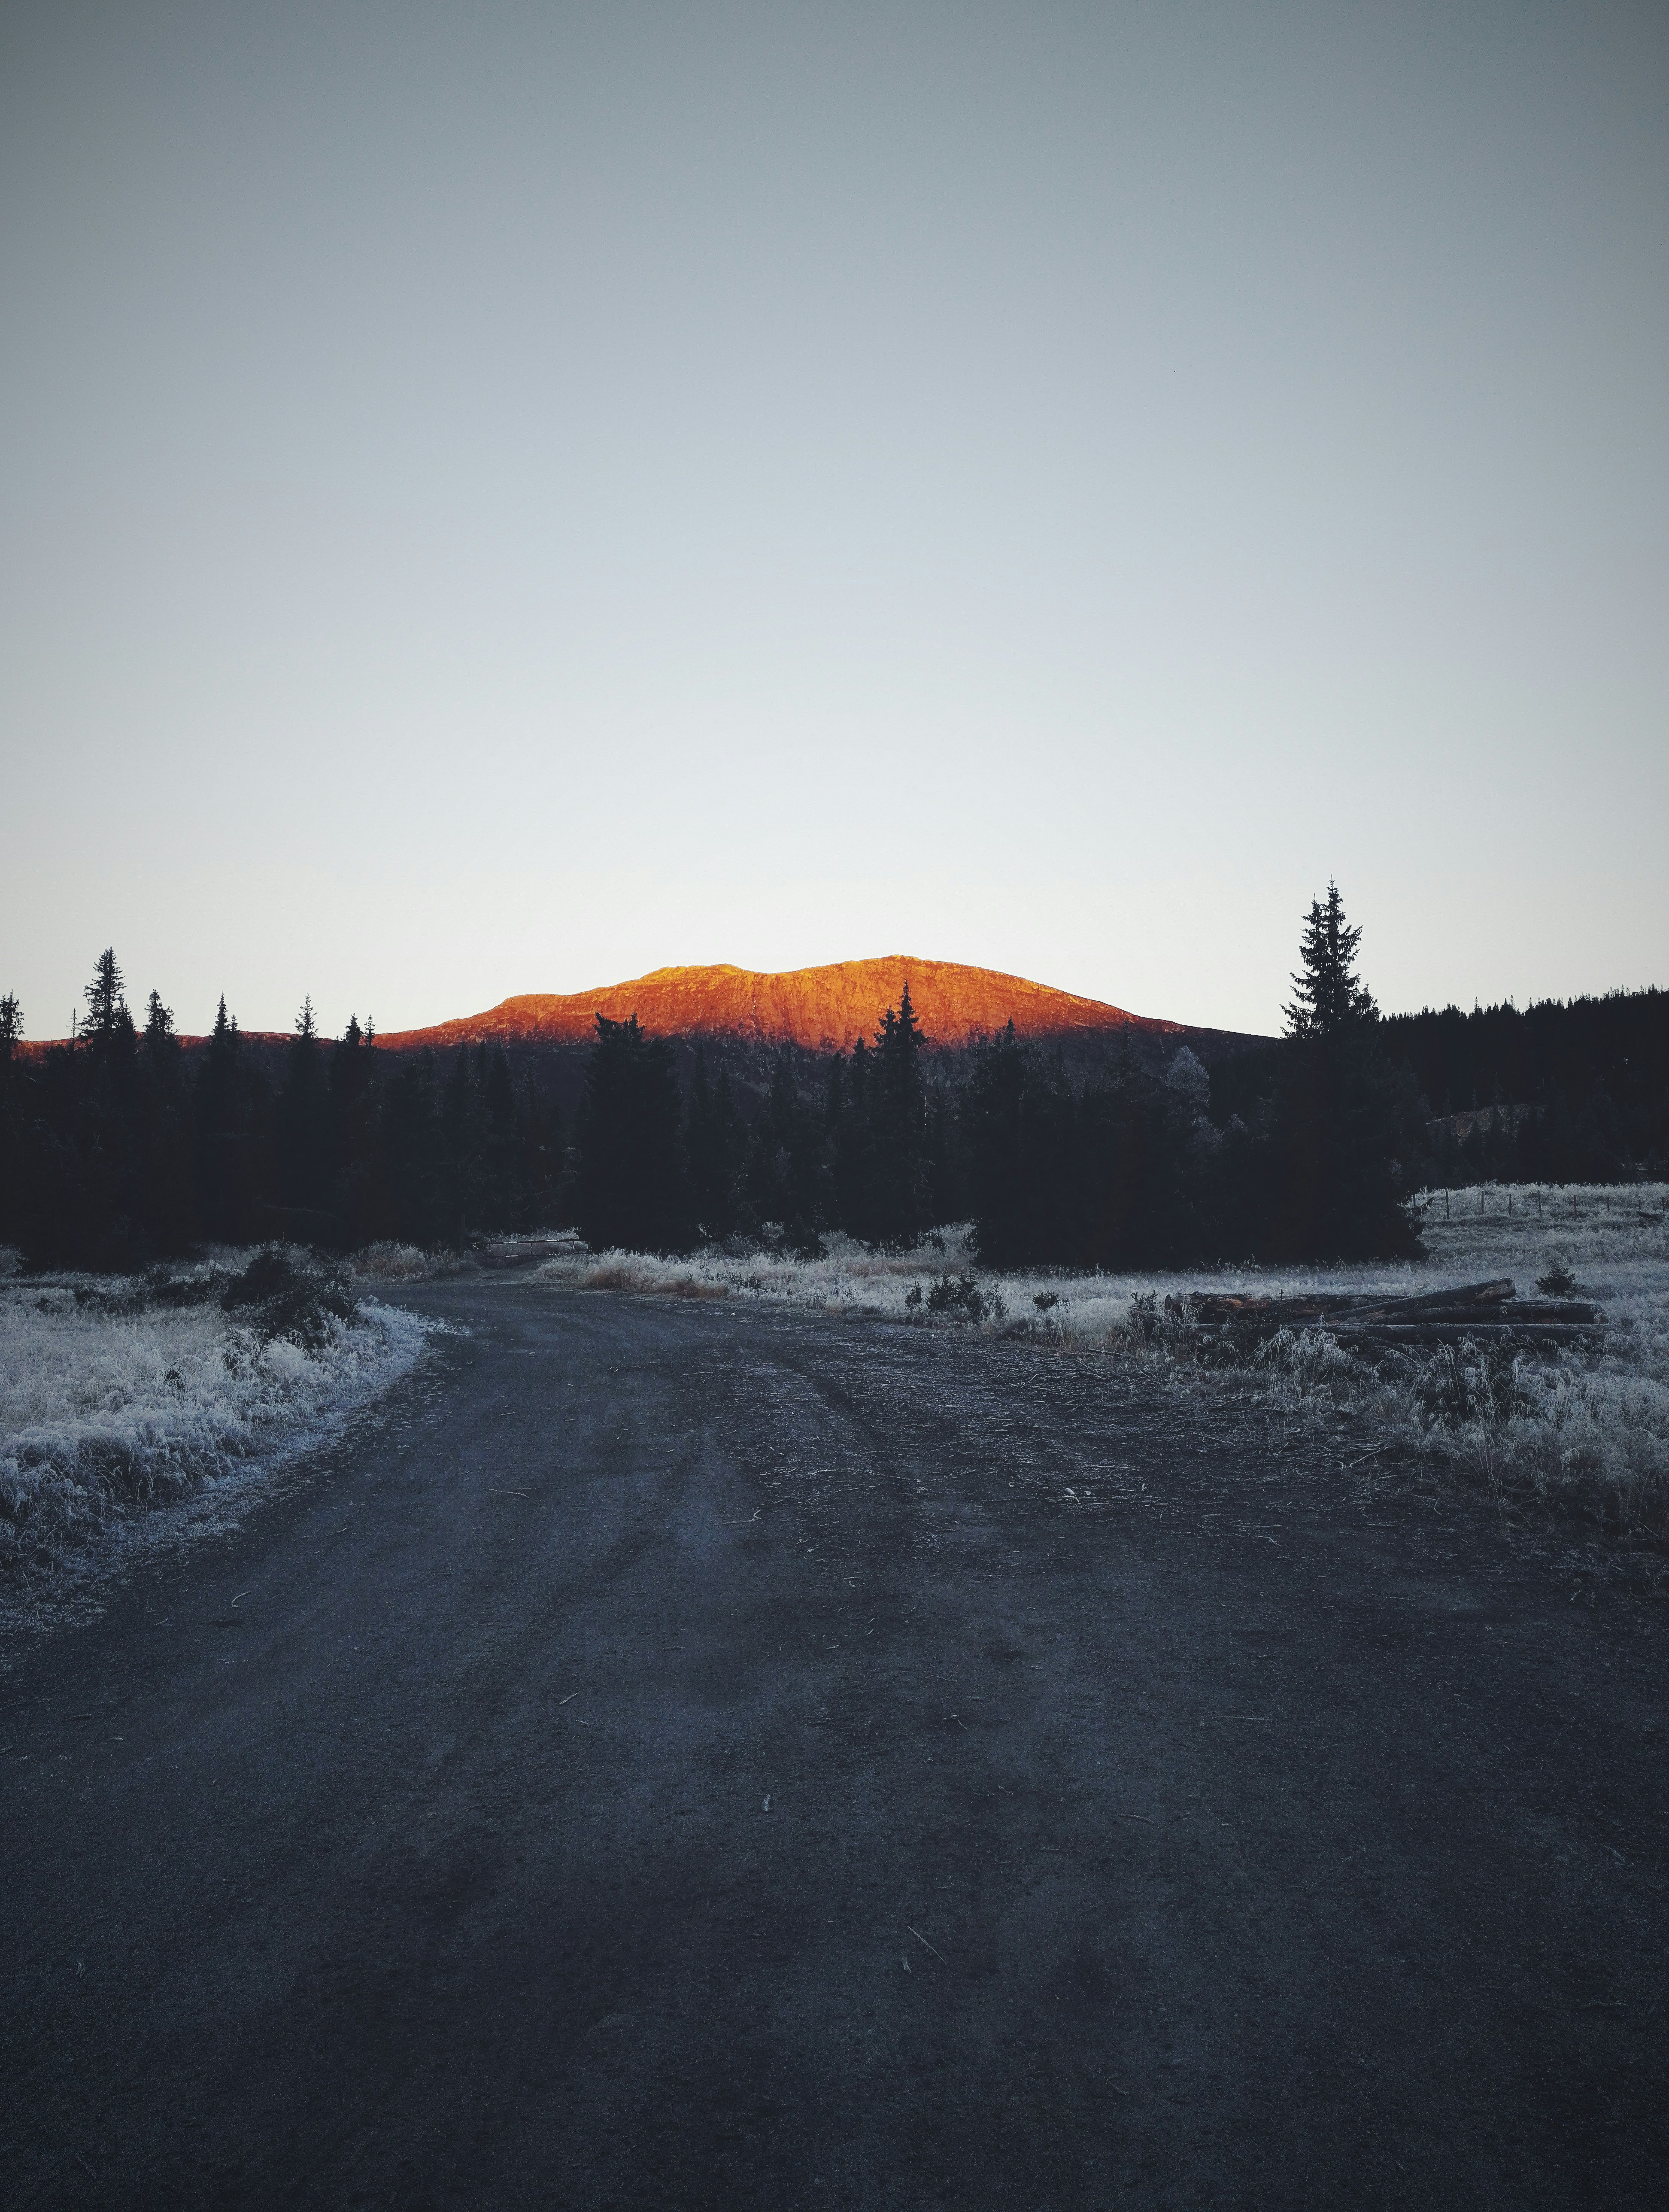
(1451, 1316)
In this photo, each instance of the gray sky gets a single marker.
(499, 499)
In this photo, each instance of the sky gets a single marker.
(500, 499)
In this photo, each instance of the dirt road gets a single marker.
(677, 1756)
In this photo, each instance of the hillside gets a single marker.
(815, 1008)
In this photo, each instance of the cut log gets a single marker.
(1456, 1332)
(1482, 1298)
(1466, 1294)
(1548, 1309)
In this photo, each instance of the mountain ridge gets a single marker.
(820, 1009)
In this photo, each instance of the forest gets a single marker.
(124, 1147)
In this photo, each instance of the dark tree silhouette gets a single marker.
(302, 1135)
(14, 1161)
(632, 1189)
(1328, 1000)
(1337, 1109)
(715, 1145)
(229, 1105)
(106, 1005)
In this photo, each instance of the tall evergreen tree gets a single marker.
(359, 1184)
(302, 1136)
(161, 1045)
(227, 1191)
(1328, 999)
(167, 1201)
(1337, 1108)
(106, 1003)
(894, 1194)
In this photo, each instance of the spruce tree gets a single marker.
(302, 1166)
(161, 1042)
(898, 1195)
(1328, 999)
(358, 1197)
(167, 1204)
(222, 1128)
(106, 1005)
(1338, 1183)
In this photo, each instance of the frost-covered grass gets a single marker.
(1580, 1427)
(1585, 1429)
(119, 1394)
(389, 1262)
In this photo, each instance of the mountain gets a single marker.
(819, 1009)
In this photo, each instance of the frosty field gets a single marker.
(1585, 1429)
(111, 1401)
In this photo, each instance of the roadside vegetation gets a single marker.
(1581, 1428)
(119, 1394)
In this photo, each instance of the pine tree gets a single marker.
(357, 1191)
(898, 1131)
(223, 1105)
(1336, 1108)
(106, 1005)
(159, 1027)
(167, 1204)
(1328, 999)
(303, 1170)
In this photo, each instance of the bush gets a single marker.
(958, 1297)
(284, 1293)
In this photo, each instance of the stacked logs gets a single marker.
(1448, 1316)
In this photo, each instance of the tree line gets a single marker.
(1307, 1150)
(120, 1147)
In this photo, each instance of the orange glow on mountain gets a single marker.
(820, 1008)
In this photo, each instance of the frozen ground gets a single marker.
(114, 1398)
(1580, 1428)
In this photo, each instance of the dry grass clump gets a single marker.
(631, 1271)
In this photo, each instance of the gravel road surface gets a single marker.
(677, 1755)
